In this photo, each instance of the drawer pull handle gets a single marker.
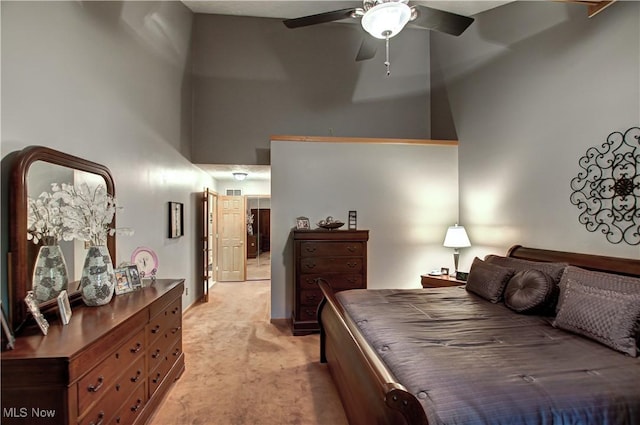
(311, 297)
(174, 330)
(95, 388)
(310, 249)
(137, 406)
(157, 378)
(135, 378)
(136, 349)
(100, 418)
(156, 354)
(310, 266)
(352, 280)
(310, 312)
(155, 329)
(351, 248)
(352, 264)
(175, 310)
(177, 352)
(117, 387)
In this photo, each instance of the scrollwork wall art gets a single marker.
(607, 188)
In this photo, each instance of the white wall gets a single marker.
(109, 82)
(405, 195)
(532, 86)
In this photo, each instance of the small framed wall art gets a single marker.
(176, 219)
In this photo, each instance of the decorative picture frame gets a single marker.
(10, 338)
(353, 220)
(134, 276)
(176, 219)
(302, 223)
(123, 284)
(32, 305)
(444, 271)
(65, 307)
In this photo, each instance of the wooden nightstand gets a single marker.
(439, 281)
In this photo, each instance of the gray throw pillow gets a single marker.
(607, 315)
(530, 291)
(488, 280)
(552, 269)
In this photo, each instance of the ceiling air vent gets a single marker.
(234, 192)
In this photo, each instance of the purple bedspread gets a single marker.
(470, 362)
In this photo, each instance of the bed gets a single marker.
(454, 356)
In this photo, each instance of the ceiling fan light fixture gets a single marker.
(385, 20)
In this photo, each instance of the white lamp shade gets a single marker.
(386, 19)
(456, 237)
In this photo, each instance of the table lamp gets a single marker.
(455, 238)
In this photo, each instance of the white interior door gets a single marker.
(232, 238)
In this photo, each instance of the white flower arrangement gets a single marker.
(74, 212)
(87, 214)
(44, 219)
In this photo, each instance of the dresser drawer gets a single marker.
(165, 321)
(164, 366)
(96, 383)
(307, 313)
(131, 408)
(332, 249)
(331, 264)
(109, 408)
(160, 347)
(310, 297)
(337, 281)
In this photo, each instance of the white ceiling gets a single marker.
(286, 9)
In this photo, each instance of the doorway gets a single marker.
(258, 237)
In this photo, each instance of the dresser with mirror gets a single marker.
(111, 364)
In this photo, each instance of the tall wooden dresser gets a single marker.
(338, 256)
(110, 365)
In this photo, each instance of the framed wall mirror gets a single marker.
(33, 170)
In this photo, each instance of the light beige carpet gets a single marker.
(241, 369)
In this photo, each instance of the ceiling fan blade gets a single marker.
(368, 48)
(438, 20)
(319, 18)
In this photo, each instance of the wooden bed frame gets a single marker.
(370, 393)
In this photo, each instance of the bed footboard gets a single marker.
(370, 393)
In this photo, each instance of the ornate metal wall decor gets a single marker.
(607, 188)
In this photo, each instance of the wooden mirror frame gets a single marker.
(19, 278)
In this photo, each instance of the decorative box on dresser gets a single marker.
(337, 256)
(110, 365)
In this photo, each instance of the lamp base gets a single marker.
(456, 256)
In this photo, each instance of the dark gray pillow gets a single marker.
(600, 280)
(530, 291)
(607, 315)
(488, 280)
(552, 269)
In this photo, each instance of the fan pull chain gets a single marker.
(386, 62)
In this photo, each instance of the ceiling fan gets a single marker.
(384, 19)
